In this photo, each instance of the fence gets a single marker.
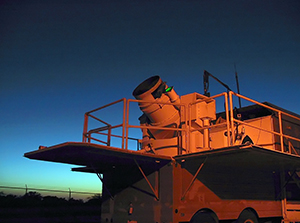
(63, 193)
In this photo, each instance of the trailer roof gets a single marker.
(97, 158)
(255, 110)
(246, 156)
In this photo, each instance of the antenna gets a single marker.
(237, 84)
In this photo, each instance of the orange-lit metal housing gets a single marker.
(191, 164)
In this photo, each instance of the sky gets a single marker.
(60, 59)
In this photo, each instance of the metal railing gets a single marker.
(88, 135)
(280, 121)
(185, 128)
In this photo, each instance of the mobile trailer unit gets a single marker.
(193, 165)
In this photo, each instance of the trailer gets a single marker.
(192, 163)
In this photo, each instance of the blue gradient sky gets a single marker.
(60, 59)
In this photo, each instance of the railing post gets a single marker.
(124, 124)
(232, 135)
(184, 132)
(126, 108)
(85, 127)
(280, 131)
(109, 136)
(227, 118)
(188, 126)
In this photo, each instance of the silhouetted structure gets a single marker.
(32, 207)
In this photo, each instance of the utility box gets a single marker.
(206, 109)
(200, 106)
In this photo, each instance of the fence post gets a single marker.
(70, 194)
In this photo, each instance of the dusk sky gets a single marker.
(62, 58)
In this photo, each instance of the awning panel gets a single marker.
(99, 158)
(245, 157)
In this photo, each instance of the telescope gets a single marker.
(158, 104)
(161, 109)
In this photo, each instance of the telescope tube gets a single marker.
(153, 93)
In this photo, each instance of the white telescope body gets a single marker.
(157, 106)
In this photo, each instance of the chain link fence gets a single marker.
(68, 194)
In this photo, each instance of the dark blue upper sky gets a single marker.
(60, 59)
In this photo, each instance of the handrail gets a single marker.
(264, 105)
(107, 105)
(227, 113)
(98, 119)
(109, 127)
(280, 113)
(124, 125)
(185, 128)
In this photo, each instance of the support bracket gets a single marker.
(104, 185)
(193, 179)
(155, 191)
